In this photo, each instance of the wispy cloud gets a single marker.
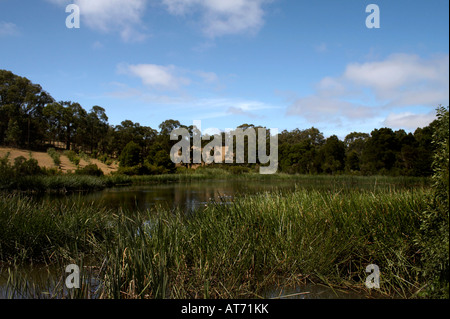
(168, 77)
(8, 29)
(118, 16)
(217, 17)
(368, 90)
(220, 17)
(156, 76)
(200, 108)
(321, 48)
(403, 79)
(409, 120)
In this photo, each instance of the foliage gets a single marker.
(91, 169)
(131, 155)
(434, 236)
(73, 157)
(55, 156)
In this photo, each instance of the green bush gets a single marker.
(73, 157)
(91, 169)
(433, 239)
(237, 170)
(55, 156)
(130, 170)
(24, 167)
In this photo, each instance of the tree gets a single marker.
(130, 155)
(13, 133)
(22, 101)
(74, 120)
(424, 150)
(354, 146)
(380, 151)
(53, 114)
(64, 119)
(96, 127)
(158, 160)
(334, 155)
(168, 126)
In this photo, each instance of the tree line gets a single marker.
(31, 118)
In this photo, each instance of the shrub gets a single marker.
(237, 170)
(130, 170)
(55, 156)
(84, 156)
(91, 169)
(433, 239)
(24, 167)
(73, 157)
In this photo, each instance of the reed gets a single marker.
(231, 250)
(34, 231)
(241, 250)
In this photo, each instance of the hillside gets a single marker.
(44, 160)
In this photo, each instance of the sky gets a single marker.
(282, 64)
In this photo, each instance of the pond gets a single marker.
(191, 195)
(185, 195)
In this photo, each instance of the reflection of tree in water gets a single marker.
(187, 196)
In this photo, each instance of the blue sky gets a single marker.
(277, 63)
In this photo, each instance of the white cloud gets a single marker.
(409, 120)
(322, 109)
(217, 17)
(156, 76)
(209, 77)
(229, 106)
(403, 79)
(370, 90)
(119, 16)
(238, 111)
(221, 17)
(169, 77)
(8, 29)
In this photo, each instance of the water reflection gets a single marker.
(187, 196)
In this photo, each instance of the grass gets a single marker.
(237, 250)
(241, 250)
(62, 183)
(339, 180)
(39, 231)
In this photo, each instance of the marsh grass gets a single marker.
(340, 181)
(37, 231)
(240, 249)
(62, 183)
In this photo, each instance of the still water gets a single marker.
(185, 195)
